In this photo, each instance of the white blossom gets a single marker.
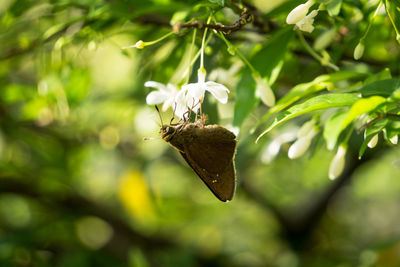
(337, 163)
(299, 12)
(195, 91)
(264, 92)
(306, 24)
(166, 94)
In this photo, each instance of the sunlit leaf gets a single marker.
(305, 89)
(332, 128)
(313, 104)
(361, 107)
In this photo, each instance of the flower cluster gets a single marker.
(299, 17)
(189, 97)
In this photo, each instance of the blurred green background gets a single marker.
(80, 187)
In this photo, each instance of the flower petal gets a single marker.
(180, 105)
(157, 85)
(195, 93)
(171, 89)
(219, 91)
(155, 98)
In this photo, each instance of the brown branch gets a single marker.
(245, 18)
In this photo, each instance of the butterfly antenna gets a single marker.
(173, 114)
(159, 114)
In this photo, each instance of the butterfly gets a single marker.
(209, 150)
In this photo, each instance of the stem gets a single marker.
(190, 56)
(151, 42)
(237, 51)
(159, 39)
(315, 55)
(202, 45)
(372, 20)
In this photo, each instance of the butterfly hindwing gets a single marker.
(223, 187)
(210, 151)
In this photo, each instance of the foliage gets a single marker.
(80, 187)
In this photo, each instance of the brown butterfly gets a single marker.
(209, 150)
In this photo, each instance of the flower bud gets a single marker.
(299, 12)
(140, 44)
(298, 148)
(359, 51)
(337, 163)
(394, 139)
(372, 143)
(264, 92)
(306, 128)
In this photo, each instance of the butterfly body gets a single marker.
(209, 150)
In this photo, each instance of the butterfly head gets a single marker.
(167, 132)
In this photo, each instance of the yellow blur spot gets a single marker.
(134, 195)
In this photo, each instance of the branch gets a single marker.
(245, 17)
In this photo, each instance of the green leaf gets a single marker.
(393, 11)
(332, 128)
(313, 104)
(382, 75)
(333, 7)
(246, 99)
(383, 88)
(268, 61)
(304, 89)
(361, 107)
(218, 2)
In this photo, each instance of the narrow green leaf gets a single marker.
(313, 104)
(361, 107)
(383, 88)
(246, 99)
(269, 59)
(333, 7)
(332, 128)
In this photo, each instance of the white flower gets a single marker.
(306, 24)
(166, 94)
(196, 91)
(299, 12)
(305, 135)
(264, 92)
(337, 163)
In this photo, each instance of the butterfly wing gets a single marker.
(210, 151)
(223, 187)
